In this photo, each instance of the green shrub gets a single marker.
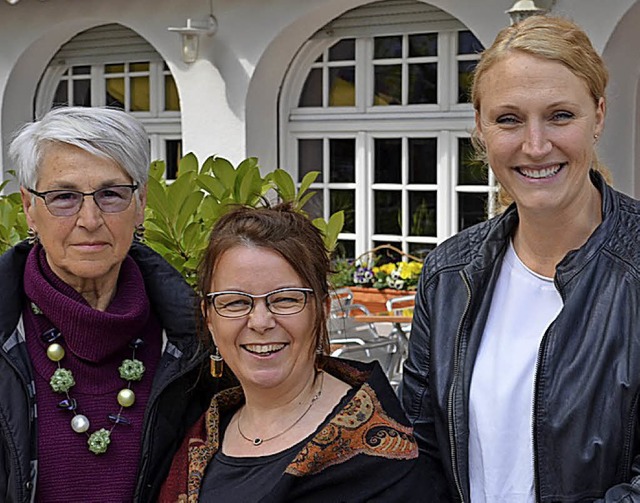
(180, 215)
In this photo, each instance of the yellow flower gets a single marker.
(388, 268)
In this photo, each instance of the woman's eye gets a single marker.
(562, 116)
(507, 119)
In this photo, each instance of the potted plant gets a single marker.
(374, 280)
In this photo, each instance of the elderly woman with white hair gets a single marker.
(98, 355)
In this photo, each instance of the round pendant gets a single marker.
(126, 397)
(257, 441)
(79, 423)
(55, 352)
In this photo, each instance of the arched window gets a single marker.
(377, 101)
(111, 65)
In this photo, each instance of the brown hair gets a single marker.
(285, 231)
(551, 38)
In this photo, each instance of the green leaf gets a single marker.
(306, 182)
(188, 210)
(284, 185)
(212, 185)
(188, 163)
(223, 171)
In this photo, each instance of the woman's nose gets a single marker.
(260, 318)
(536, 143)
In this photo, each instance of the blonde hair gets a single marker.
(552, 38)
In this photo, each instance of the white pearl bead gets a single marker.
(80, 423)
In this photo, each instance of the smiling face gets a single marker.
(86, 248)
(264, 351)
(538, 120)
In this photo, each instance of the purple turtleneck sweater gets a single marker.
(96, 343)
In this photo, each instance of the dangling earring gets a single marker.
(216, 364)
(32, 237)
(138, 233)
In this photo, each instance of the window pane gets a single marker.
(422, 207)
(345, 50)
(115, 92)
(465, 80)
(425, 44)
(387, 85)
(309, 158)
(82, 93)
(420, 250)
(388, 160)
(388, 211)
(173, 149)
(312, 91)
(468, 43)
(387, 47)
(423, 160)
(470, 170)
(342, 87)
(471, 209)
(345, 249)
(171, 99)
(139, 94)
(315, 205)
(139, 67)
(61, 96)
(119, 68)
(81, 70)
(342, 160)
(423, 83)
(344, 200)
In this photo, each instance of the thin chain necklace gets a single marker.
(259, 441)
(62, 381)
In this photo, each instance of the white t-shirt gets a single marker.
(501, 397)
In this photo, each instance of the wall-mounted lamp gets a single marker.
(190, 36)
(12, 2)
(522, 9)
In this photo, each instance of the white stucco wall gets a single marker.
(229, 98)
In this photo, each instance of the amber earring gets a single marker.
(216, 364)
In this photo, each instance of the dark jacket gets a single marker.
(176, 399)
(586, 417)
(363, 452)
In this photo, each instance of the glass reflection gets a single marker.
(388, 212)
(472, 209)
(342, 87)
(423, 160)
(388, 160)
(342, 160)
(423, 83)
(423, 211)
(344, 200)
(310, 158)
(387, 86)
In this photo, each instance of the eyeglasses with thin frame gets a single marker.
(65, 202)
(284, 301)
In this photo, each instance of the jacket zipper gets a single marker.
(534, 407)
(456, 367)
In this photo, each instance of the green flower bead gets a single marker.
(62, 381)
(99, 441)
(131, 370)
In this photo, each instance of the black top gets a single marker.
(245, 479)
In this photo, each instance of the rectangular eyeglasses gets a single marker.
(285, 301)
(65, 203)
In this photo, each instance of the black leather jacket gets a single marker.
(586, 417)
(180, 387)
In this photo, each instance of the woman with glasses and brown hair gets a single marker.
(301, 426)
(99, 359)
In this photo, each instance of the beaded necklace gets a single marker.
(62, 381)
